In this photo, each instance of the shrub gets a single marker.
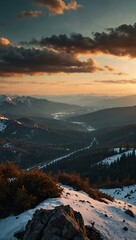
(40, 183)
(78, 183)
(23, 200)
(21, 190)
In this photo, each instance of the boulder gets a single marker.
(130, 213)
(61, 223)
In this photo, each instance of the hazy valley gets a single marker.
(68, 141)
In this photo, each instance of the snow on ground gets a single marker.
(110, 219)
(18, 122)
(87, 127)
(8, 145)
(118, 149)
(114, 158)
(3, 118)
(127, 194)
(3, 123)
(3, 126)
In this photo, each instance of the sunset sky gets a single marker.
(53, 47)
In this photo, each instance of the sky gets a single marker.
(58, 47)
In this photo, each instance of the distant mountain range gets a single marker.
(29, 106)
(96, 102)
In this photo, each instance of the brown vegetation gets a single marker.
(78, 183)
(21, 190)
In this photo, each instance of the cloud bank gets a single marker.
(60, 54)
(16, 61)
(128, 81)
(120, 41)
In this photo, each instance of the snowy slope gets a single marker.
(127, 194)
(108, 218)
(114, 158)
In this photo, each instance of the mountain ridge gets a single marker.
(29, 106)
(110, 117)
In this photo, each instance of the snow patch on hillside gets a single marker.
(3, 126)
(114, 158)
(117, 150)
(110, 218)
(8, 145)
(3, 117)
(127, 194)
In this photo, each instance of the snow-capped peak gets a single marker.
(16, 100)
(5, 98)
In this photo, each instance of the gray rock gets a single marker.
(130, 213)
(61, 223)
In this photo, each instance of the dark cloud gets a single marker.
(120, 41)
(121, 74)
(76, 43)
(16, 61)
(129, 81)
(109, 69)
(28, 14)
(114, 71)
(58, 6)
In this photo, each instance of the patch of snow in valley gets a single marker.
(8, 145)
(18, 122)
(3, 126)
(110, 218)
(88, 128)
(59, 115)
(14, 133)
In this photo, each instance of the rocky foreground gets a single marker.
(58, 224)
(112, 219)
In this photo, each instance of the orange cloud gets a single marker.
(4, 42)
(58, 6)
(27, 14)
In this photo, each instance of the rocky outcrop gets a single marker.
(130, 213)
(61, 223)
